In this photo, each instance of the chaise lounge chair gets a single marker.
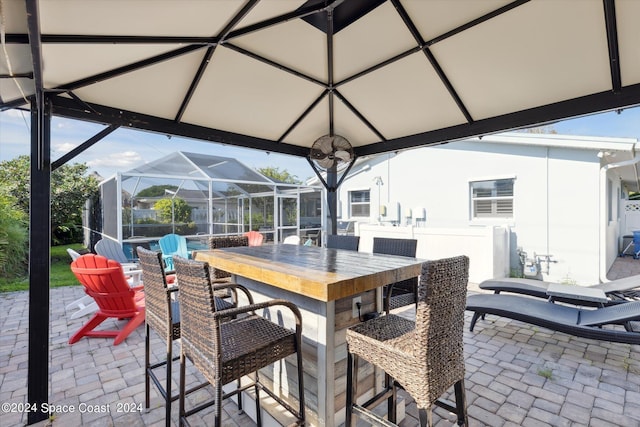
(616, 289)
(587, 323)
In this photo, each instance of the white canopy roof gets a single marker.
(277, 74)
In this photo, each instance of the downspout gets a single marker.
(604, 220)
(547, 218)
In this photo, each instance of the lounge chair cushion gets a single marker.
(538, 288)
(572, 320)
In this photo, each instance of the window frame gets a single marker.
(367, 203)
(494, 199)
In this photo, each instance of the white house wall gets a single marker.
(556, 198)
(573, 216)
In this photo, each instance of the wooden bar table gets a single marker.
(323, 283)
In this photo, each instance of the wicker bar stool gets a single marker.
(226, 351)
(218, 242)
(221, 276)
(424, 357)
(401, 293)
(335, 241)
(163, 317)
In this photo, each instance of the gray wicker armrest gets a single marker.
(233, 312)
(234, 287)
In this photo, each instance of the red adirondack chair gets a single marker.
(104, 280)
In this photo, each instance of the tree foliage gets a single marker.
(279, 175)
(14, 175)
(13, 236)
(181, 210)
(263, 206)
(70, 188)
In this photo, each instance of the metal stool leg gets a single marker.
(350, 391)
(461, 403)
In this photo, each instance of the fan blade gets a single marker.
(340, 143)
(318, 154)
(345, 156)
(327, 162)
(325, 144)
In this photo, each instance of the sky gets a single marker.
(125, 149)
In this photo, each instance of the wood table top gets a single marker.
(319, 273)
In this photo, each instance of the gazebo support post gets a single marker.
(39, 256)
(331, 184)
(332, 200)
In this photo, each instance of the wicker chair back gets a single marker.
(336, 241)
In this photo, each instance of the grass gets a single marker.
(60, 274)
(546, 373)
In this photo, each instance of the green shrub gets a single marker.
(176, 210)
(65, 234)
(13, 238)
(70, 189)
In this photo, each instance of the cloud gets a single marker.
(13, 129)
(114, 153)
(14, 137)
(64, 147)
(15, 113)
(119, 161)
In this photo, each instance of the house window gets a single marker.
(492, 199)
(359, 203)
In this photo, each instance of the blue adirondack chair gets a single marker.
(170, 245)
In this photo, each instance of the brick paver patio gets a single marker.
(517, 374)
